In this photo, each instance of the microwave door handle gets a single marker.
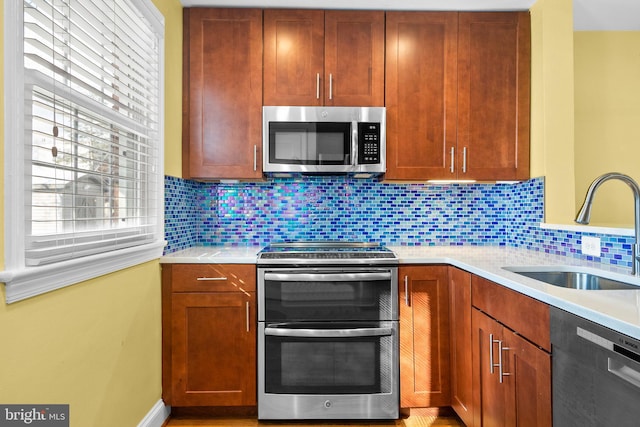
(328, 333)
(354, 144)
(327, 277)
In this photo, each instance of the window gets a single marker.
(83, 147)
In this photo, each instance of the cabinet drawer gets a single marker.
(522, 314)
(213, 277)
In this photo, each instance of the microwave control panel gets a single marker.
(368, 143)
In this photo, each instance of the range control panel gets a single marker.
(368, 143)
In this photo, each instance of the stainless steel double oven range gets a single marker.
(327, 331)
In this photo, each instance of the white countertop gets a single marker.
(616, 309)
(214, 254)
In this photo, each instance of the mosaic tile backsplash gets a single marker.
(335, 208)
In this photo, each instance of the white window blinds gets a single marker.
(92, 128)
(83, 140)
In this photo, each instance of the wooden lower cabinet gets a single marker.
(511, 375)
(209, 335)
(424, 336)
(460, 353)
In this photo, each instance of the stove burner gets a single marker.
(325, 252)
(326, 255)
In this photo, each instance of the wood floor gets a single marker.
(411, 421)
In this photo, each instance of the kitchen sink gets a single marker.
(572, 277)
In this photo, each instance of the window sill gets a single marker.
(31, 281)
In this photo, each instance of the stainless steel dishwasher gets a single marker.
(596, 374)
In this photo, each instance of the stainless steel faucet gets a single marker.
(584, 215)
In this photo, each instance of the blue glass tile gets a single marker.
(394, 214)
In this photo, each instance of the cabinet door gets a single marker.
(461, 332)
(222, 93)
(213, 348)
(293, 57)
(424, 336)
(494, 61)
(354, 58)
(523, 397)
(420, 94)
(529, 383)
(490, 396)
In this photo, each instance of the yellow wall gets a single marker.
(607, 103)
(552, 107)
(172, 10)
(95, 345)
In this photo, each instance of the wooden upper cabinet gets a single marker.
(420, 93)
(494, 67)
(457, 95)
(222, 93)
(293, 57)
(314, 57)
(354, 58)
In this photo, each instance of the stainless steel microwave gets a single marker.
(324, 140)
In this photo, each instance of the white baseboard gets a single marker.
(156, 416)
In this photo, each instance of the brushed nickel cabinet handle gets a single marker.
(211, 279)
(453, 160)
(464, 160)
(491, 364)
(317, 85)
(502, 373)
(406, 291)
(255, 157)
(330, 86)
(248, 317)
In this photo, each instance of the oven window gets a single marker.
(308, 300)
(295, 365)
(310, 143)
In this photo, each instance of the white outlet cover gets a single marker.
(591, 246)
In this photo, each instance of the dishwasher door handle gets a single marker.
(328, 333)
(624, 372)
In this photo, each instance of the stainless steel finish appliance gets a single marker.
(327, 332)
(595, 376)
(324, 140)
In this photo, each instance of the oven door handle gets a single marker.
(328, 333)
(328, 277)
